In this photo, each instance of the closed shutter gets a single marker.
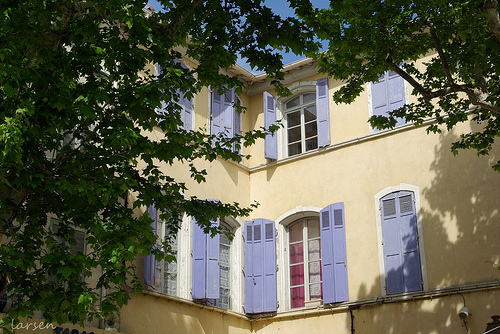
(400, 239)
(260, 266)
(388, 94)
(333, 254)
(323, 112)
(216, 119)
(271, 141)
(228, 113)
(149, 260)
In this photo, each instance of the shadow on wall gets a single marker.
(461, 229)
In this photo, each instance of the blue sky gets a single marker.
(279, 7)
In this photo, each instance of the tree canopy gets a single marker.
(75, 105)
(461, 77)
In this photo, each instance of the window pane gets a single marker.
(310, 113)
(296, 253)
(309, 97)
(297, 275)
(227, 96)
(224, 255)
(224, 277)
(315, 291)
(311, 130)
(313, 228)
(293, 119)
(224, 298)
(297, 297)
(294, 134)
(294, 149)
(170, 284)
(314, 248)
(295, 232)
(311, 144)
(293, 103)
(315, 272)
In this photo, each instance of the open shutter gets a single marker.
(249, 281)
(323, 112)
(199, 262)
(401, 252)
(228, 113)
(213, 245)
(187, 114)
(260, 266)
(149, 260)
(216, 121)
(333, 254)
(271, 141)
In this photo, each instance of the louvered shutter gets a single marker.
(400, 238)
(260, 267)
(213, 277)
(333, 254)
(149, 260)
(249, 281)
(388, 94)
(216, 121)
(271, 141)
(228, 113)
(199, 262)
(323, 112)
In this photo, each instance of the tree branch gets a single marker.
(491, 11)
(444, 62)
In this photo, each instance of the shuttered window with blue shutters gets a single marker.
(185, 104)
(307, 121)
(260, 266)
(388, 94)
(403, 271)
(225, 117)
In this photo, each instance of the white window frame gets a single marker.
(378, 196)
(297, 88)
(283, 255)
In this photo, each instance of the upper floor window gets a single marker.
(388, 94)
(304, 244)
(224, 117)
(306, 118)
(301, 126)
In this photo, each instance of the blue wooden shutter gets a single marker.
(260, 267)
(400, 238)
(323, 112)
(249, 282)
(213, 277)
(216, 121)
(187, 116)
(388, 94)
(228, 112)
(149, 260)
(199, 262)
(271, 141)
(333, 254)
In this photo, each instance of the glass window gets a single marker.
(305, 261)
(301, 125)
(224, 300)
(165, 270)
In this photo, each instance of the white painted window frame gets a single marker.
(282, 252)
(378, 196)
(296, 88)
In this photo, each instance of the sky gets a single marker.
(281, 8)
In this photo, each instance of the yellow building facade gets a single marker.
(400, 188)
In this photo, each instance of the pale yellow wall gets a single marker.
(150, 314)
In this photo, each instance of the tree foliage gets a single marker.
(461, 76)
(75, 106)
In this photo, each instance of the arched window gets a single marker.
(301, 124)
(304, 244)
